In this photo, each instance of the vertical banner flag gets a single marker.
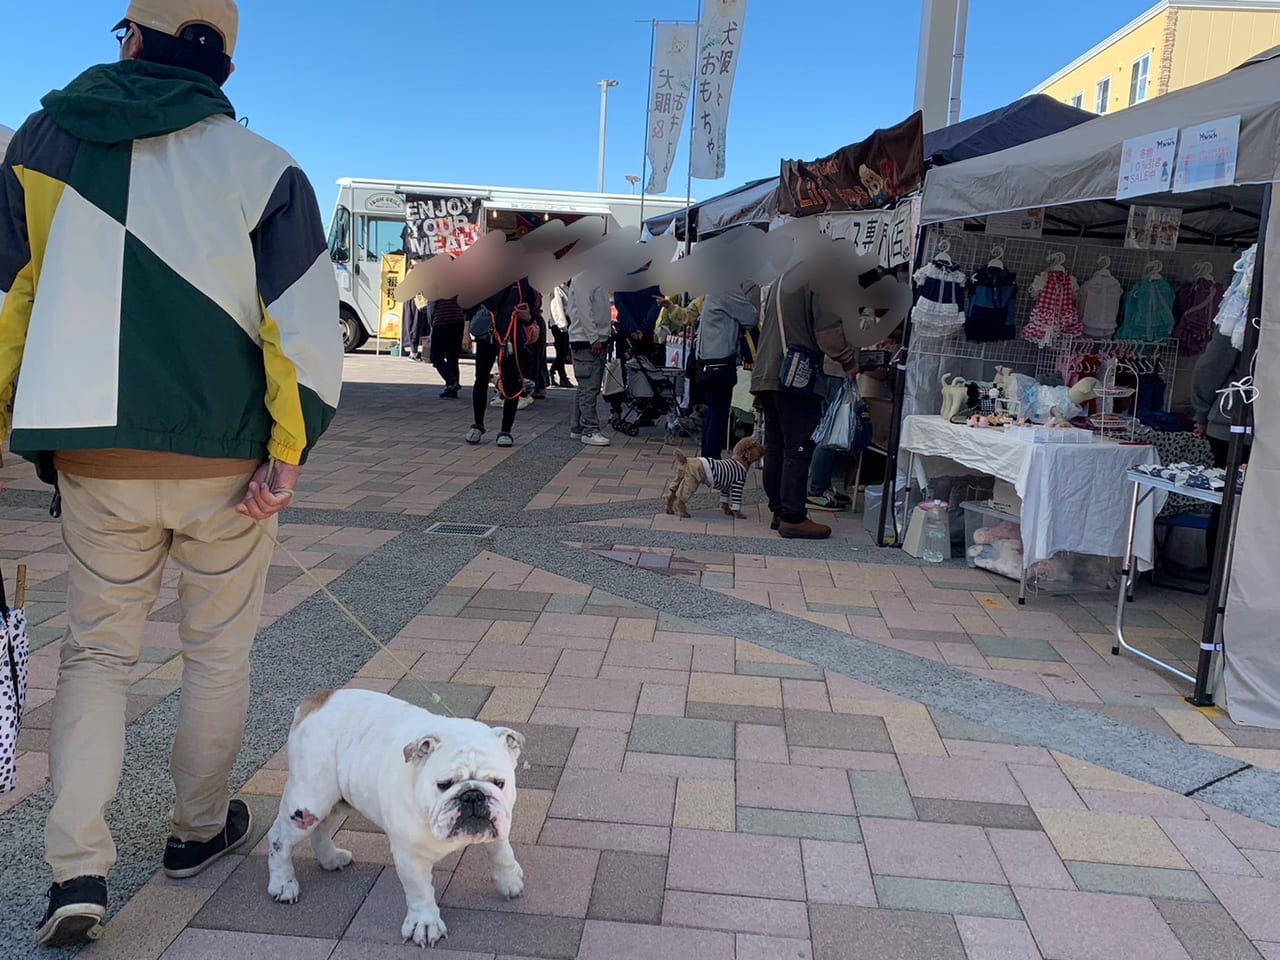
(675, 49)
(722, 22)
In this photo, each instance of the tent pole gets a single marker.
(1241, 427)
(644, 142)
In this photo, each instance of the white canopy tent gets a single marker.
(1074, 175)
(5, 136)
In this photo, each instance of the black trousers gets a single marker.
(511, 375)
(559, 368)
(413, 329)
(715, 433)
(446, 348)
(789, 422)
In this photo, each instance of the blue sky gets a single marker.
(501, 92)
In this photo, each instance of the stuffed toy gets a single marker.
(1003, 557)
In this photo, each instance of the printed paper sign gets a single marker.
(1146, 164)
(1153, 228)
(1021, 223)
(1207, 157)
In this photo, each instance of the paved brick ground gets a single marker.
(695, 794)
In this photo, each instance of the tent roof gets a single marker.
(1026, 119)
(1083, 163)
(5, 136)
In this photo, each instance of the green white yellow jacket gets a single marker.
(164, 279)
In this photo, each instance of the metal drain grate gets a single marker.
(473, 531)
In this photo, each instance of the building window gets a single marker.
(1139, 81)
(1078, 101)
(1103, 102)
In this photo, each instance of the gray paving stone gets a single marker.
(446, 606)
(787, 671)
(732, 713)
(545, 745)
(196, 944)
(565, 603)
(538, 777)
(460, 699)
(1005, 816)
(867, 933)
(1206, 931)
(879, 793)
(717, 581)
(490, 613)
(328, 903)
(846, 609)
(809, 826)
(609, 610)
(629, 888)
(1139, 881)
(952, 727)
(510, 600)
(836, 731)
(947, 896)
(262, 814)
(1011, 648)
(679, 736)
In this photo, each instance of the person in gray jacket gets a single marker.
(590, 330)
(1219, 366)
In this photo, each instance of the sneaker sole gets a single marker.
(787, 535)
(824, 509)
(189, 872)
(72, 926)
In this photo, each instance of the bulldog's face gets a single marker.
(465, 782)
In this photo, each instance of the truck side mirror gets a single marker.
(341, 255)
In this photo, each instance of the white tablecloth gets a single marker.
(1074, 496)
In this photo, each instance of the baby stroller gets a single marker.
(650, 394)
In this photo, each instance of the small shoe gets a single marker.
(825, 502)
(525, 402)
(777, 522)
(184, 860)
(575, 434)
(506, 440)
(449, 393)
(806, 530)
(595, 439)
(75, 914)
(843, 499)
(540, 394)
(566, 383)
(474, 435)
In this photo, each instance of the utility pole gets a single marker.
(604, 85)
(632, 179)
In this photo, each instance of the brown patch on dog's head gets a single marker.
(748, 450)
(310, 706)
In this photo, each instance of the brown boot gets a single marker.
(806, 530)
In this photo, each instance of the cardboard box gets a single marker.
(1005, 498)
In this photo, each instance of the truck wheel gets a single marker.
(353, 335)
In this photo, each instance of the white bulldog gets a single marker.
(433, 784)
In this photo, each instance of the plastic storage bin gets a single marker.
(992, 540)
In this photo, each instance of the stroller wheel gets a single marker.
(632, 430)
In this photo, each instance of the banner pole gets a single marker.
(693, 115)
(644, 142)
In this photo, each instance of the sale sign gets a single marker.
(1146, 164)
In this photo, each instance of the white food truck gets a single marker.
(373, 218)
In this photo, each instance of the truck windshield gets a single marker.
(340, 236)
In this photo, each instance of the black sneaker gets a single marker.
(75, 914)
(183, 860)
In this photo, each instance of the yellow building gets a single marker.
(1175, 44)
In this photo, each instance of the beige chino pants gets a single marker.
(119, 534)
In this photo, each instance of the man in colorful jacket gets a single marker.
(167, 309)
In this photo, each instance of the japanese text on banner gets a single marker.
(722, 24)
(675, 47)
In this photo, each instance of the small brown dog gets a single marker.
(727, 476)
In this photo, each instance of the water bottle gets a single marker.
(937, 532)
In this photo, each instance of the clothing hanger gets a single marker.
(1057, 260)
(1104, 266)
(997, 258)
(1154, 270)
(943, 254)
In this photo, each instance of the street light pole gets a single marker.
(604, 122)
(632, 179)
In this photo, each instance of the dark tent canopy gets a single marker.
(1020, 122)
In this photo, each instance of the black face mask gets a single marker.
(198, 49)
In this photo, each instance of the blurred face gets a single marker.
(130, 42)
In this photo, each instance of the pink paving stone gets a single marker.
(513, 658)
(692, 768)
(805, 695)
(1046, 788)
(754, 947)
(936, 622)
(775, 918)
(844, 759)
(634, 941)
(436, 667)
(592, 719)
(662, 700)
(196, 944)
(761, 743)
(594, 835)
(1242, 831)
(930, 851)
(598, 750)
(1265, 862)
(1251, 901)
(445, 628)
(846, 688)
(1117, 926)
(611, 696)
(801, 789)
(1142, 804)
(715, 659)
(868, 628)
(1029, 859)
(1206, 847)
(986, 938)
(615, 798)
(962, 655)
(558, 882)
(671, 678)
(423, 645)
(578, 663)
(566, 641)
(952, 778)
(837, 873)
(576, 625)
(1000, 752)
(654, 655)
(731, 863)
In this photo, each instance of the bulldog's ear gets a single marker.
(513, 739)
(420, 749)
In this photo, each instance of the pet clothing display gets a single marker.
(1056, 313)
(939, 312)
(991, 309)
(1189, 475)
(1148, 311)
(1235, 303)
(1099, 300)
(1194, 308)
